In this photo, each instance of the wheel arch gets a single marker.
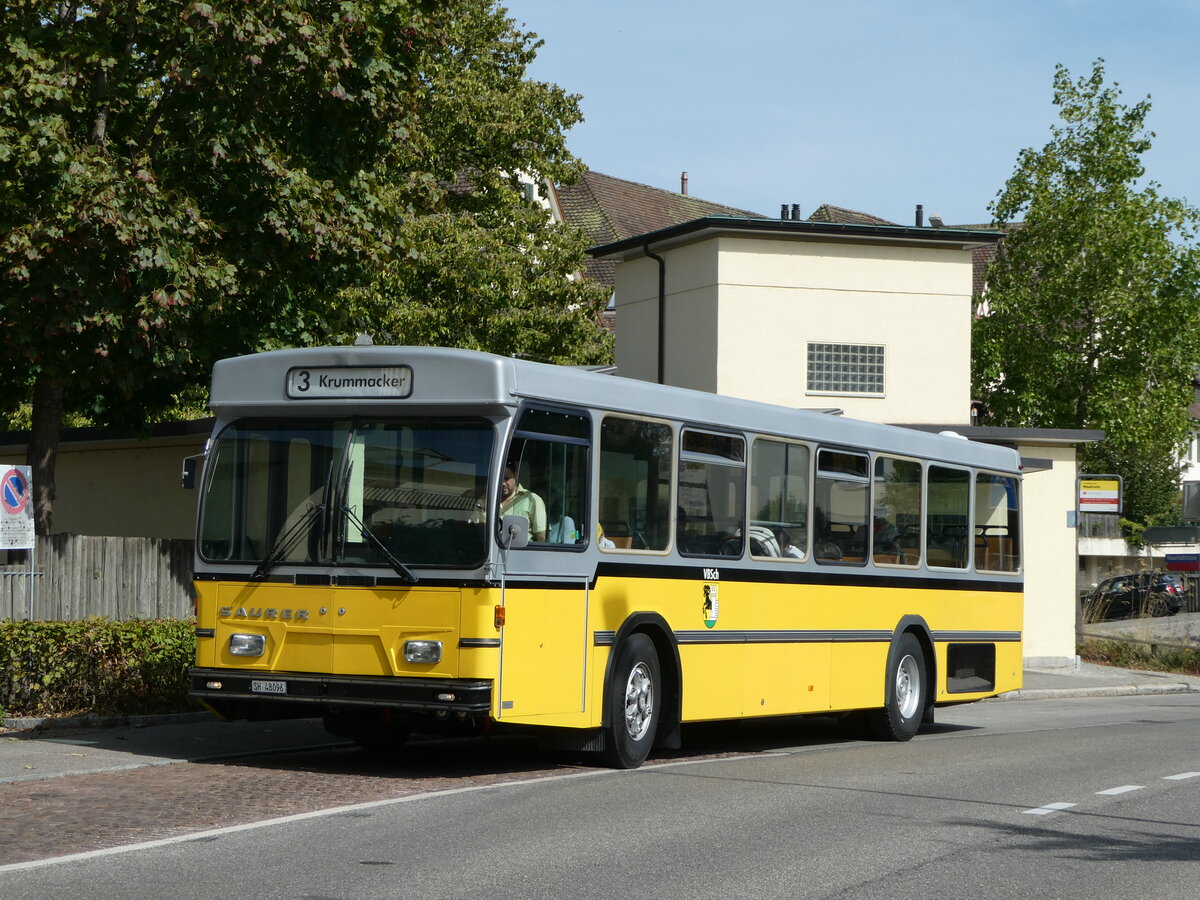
(655, 627)
(918, 628)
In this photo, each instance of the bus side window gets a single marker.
(840, 506)
(779, 493)
(635, 483)
(949, 501)
(712, 494)
(896, 512)
(997, 523)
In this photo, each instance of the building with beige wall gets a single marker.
(1049, 499)
(754, 308)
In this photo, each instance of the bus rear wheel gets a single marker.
(905, 700)
(633, 703)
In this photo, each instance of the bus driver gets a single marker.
(516, 500)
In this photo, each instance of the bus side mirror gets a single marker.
(514, 532)
(187, 478)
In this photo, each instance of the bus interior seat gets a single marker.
(618, 532)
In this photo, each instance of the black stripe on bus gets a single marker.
(793, 636)
(996, 637)
(473, 643)
(389, 583)
(856, 578)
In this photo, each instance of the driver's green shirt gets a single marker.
(524, 502)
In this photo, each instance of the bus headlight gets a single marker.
(247, 644)
(422, 651)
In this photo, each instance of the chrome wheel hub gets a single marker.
(908, 687)
(639, 702)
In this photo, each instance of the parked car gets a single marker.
(1134, 596)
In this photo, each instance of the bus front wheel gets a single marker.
(905, 700)
(633, 701)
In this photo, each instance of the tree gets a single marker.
(181, 181)
(489, 285)
(487, 271)
(1090, 318)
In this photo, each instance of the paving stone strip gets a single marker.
(77, 813)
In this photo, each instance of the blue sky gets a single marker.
(875, 105)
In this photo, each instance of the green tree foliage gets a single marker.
(1090, 318)
(489, 285)
(182, 180)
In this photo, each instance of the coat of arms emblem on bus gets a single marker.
(712, 607)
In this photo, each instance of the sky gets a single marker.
(873, 105)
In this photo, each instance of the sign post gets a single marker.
(16, 518)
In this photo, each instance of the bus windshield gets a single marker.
(347, 492)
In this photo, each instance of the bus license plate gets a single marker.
(268, 687)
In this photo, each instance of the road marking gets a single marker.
(1123, 789)
(1048, 808)
(1181, 776)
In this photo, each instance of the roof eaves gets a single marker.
(730, 224)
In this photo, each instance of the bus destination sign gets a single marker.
(353, 382)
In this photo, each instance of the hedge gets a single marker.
(95, 666)
(1138, 654)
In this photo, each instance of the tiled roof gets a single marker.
(612, 209)
(840, 216)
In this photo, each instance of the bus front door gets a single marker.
(544, 649)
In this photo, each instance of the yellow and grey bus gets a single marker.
(404, 539)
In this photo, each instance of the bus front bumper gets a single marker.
(418, 695)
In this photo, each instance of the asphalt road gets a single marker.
(1056, 798)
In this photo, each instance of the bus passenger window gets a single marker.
(946, 517)
(896, 513)
(635, 483)
(842, 492)
(710, 519)
(997, 523)
(779, 500)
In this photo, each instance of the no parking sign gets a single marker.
(16, 512)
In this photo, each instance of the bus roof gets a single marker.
(380, 380)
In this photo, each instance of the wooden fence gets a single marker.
(77, 576)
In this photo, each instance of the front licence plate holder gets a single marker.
(268, 687)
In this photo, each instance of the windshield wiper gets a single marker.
(400, 568)
(286, 541)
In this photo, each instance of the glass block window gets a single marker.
(846, 368)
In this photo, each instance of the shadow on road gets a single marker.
(519, 754)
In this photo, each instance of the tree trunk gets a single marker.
(43, 448)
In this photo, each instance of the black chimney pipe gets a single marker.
(795, 212)
(920, 216)
(783, 213)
